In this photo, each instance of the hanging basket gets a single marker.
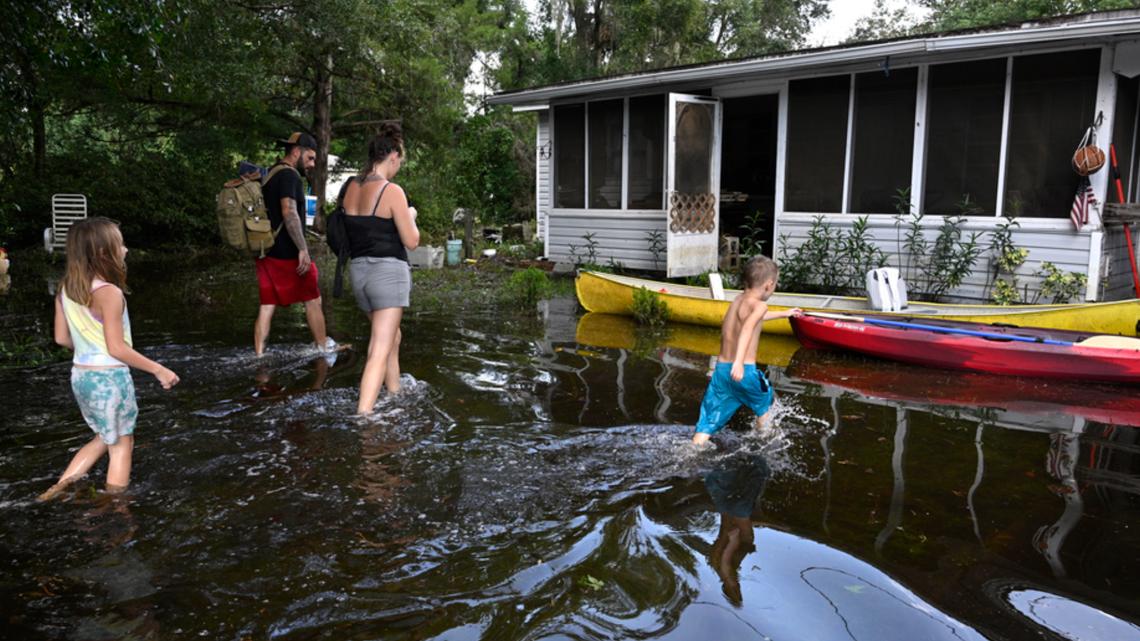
(1088, 159)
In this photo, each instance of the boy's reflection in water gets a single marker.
(734, 487)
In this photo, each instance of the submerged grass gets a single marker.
(484, 286)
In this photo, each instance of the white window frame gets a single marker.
(1003, 150)
(918, 154)
(849, 147)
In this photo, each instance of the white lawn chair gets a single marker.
(65, 210)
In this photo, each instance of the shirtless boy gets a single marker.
(735, 380)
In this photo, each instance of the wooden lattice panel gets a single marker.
(693, 213)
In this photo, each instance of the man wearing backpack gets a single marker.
(286, 274)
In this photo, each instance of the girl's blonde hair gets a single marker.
(94, 250)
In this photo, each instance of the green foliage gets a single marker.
(860, 255)
(829, 261)
(487, 173)
(932, 269)
(588, 259)
(575, 39)
(657, 246)
(30, 350)
(1005, 258)
(950, 260)
(525, 251)
(729, 280)
(1005, 292)
(528, 286)
(1059, 286)
(485, 286)
(649, 309)
(755, 235)
(815, 265)
(890, 20)
(699, 280)
(963, 14)
(147, 107)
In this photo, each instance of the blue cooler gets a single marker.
(310, 210)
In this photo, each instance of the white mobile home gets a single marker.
(691, 154)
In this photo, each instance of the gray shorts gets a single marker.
(379, 283)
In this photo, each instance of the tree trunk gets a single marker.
(322, 131)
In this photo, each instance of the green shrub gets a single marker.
(1058, 285)
(657, 246)
(649, 309)
(1005, 293)
(528, 286)
(830, 261)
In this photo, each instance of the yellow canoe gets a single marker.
(620, 332)
(612, 294)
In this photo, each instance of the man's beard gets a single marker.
(300, 167)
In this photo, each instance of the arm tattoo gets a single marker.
(292, 224)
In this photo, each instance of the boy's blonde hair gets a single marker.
(759, 270)
(94, 250)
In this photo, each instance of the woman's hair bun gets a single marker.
(392, 128)
(389, 138)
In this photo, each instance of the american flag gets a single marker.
(1085, 198)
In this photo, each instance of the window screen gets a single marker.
(1052, 101)
(963, 144)
(884, 139)
(569, 156)
(646, 152)
(692, 158)
(605, 133)
(817, 142)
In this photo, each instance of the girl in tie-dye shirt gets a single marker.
(91, 319)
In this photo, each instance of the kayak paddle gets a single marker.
(1103, 341)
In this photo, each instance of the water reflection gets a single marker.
(1020, 403)
(1069, 618)
(734, 487)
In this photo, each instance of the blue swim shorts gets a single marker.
(106, 398)
(724, 396)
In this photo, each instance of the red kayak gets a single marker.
(996, 349)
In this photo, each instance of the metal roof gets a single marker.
(1088, 26)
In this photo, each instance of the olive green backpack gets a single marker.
(243, 221)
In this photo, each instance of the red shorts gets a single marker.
(279, 284)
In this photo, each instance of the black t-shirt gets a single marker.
(284, 184)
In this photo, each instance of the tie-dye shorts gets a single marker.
(107, 399)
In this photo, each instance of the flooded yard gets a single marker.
(534, 481)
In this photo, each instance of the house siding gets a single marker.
(1049, 240)
(1117, 270)
(544, 174)
(620, 235)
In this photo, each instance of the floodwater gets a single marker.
(534, 482)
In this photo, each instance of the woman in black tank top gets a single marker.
(381, 227)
